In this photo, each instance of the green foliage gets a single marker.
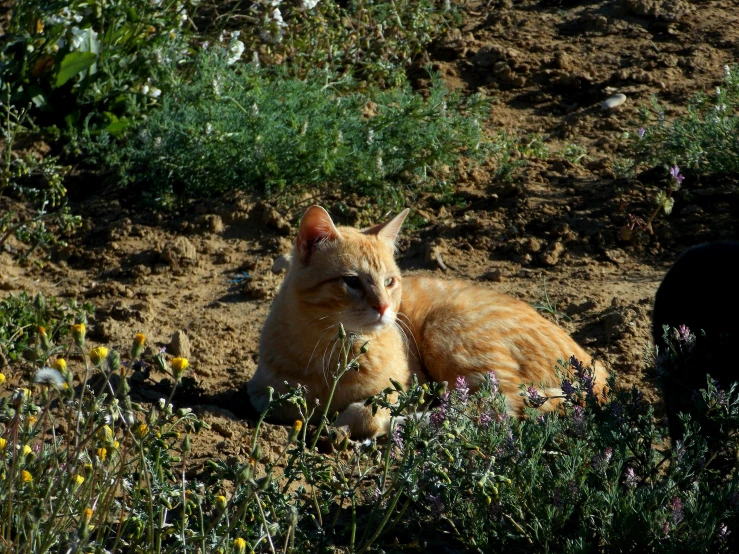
(704, 140)
(251, 130)
(36, 179)
(456, 474)
(375, 41)
(23, 317)
(103, 60)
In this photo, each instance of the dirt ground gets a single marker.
(200, 281)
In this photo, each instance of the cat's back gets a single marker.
(464, 328)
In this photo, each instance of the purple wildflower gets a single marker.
(617, 411)
(601, 461)
(485, 419)
(641, 132)
(676, 175)
(438, 417)
(683, 333)
(577, 365)
(437, 508)
(534, 397)
(666, 528)
(723, 533)
(676, 506)
(463, 389)
(495, 384)
(631, 479)
(578, 417)
(567, 388)
(398, 437)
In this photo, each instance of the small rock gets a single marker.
(281, 263)
(615, 255)
(550, 256)
(496, 276)
(179, 346)
(613, 102)
(221, 429)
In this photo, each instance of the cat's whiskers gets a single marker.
(307, 367)
(326, 368)
(407, 326)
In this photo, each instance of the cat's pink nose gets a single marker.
(382, 308)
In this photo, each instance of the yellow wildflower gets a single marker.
(31, 420)
(105, 433)
(138, 345)
(3, 444)
(27, 450)
(78, 334)
(141, 429)
(26, 477)
(221, 502)
(42, 330)
(78, 480)
(97, 355)
(179, 365)
(2, 378)
(240, 545)
(102, 453)
(116, 444)
(87, 515)
(60, 365)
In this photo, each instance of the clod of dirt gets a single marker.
(665, 10)
(179, 252)
(179, 345)
(496, 276)
(257, 289)
(272, 218)
(550, 256)
(614, 101)
(212, 223)
(435, 252)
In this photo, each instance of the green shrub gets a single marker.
(251, 130)
(375, 41)
(103, 60)
(29, 326)
(704, 140)
(460, 476)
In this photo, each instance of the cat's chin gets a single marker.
(368, 328)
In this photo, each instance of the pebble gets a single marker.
(614, 101)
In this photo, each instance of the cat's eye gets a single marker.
(352, 281)
(389, 282)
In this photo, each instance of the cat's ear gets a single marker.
(390, 229)
(315, 227)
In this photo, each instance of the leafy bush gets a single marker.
(251, 130)
(704, 140)
(460, 475)
(373, 40)
(100, 59)
(28, 326)
(35, 179)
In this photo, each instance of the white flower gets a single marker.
(254, 110)
(49, 376)
(309, 4)
(79, 36)
(274, 3)
(30, 48)
(370, 136)
(235, 35)
(727, 71)
(718, 91)
(154, 92)
(145, 89)
(216, 86)
(277, 18)
(235, 50)
(77, 18)
(208, 128)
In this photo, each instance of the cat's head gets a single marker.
(346, 275)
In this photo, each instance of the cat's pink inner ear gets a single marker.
(390, 229)
(315, 227)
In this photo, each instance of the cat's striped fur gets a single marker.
(435, 328)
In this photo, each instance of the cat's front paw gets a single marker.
(259, 398)
(362, 424)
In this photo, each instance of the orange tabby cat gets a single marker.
(342, 275)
